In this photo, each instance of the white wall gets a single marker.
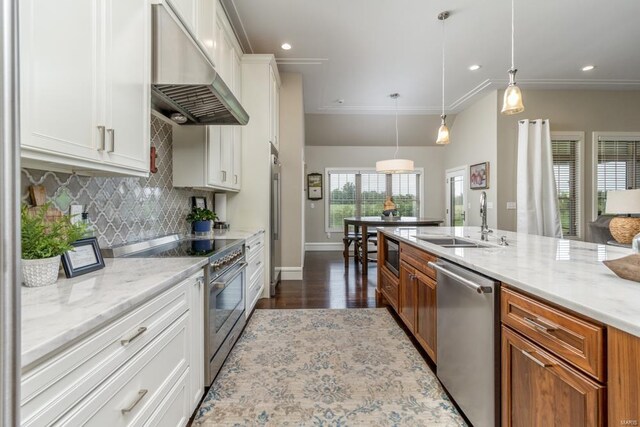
(320, 157)
(292, 159)
(474, 140)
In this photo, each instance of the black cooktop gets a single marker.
(187, 248)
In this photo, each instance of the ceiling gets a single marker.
(360, 51)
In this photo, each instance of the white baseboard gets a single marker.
(323, 246)
(291, 273)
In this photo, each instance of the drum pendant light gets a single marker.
(443, 131)
(512, 103)
(395, 165)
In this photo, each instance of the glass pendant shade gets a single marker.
(512, 102)
(394, 166)
(443, 133)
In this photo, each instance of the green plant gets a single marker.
(45, 239)
(200, 214)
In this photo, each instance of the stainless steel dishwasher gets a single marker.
(468, 341)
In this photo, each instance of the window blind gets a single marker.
(566, 169)
(342, 198)
(618, 167)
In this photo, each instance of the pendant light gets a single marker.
(512, 103)
(395, 165)
(443, 131)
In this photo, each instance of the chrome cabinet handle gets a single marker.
(141, 394)
(529, 355)
(112, 132)
(468, 283)
(102, 142)
(141, 330)
(547, 327)
(258, 263)
(235, 177)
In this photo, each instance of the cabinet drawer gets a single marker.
(418, 259)
(132, 395)
(173, 411)
(575, 340)
(540, 390)
(255, 264)
(254, 291)
(254, 244)
(51, 388)
(389, 287)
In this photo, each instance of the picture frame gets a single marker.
(199, 202)
(314, 186)
(85, 258)
(479, 176)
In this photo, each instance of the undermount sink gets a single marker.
(452, 242)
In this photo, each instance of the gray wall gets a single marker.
(567, 110)
(474, 140)
(318, 158)
(292, 158)
(372, 129)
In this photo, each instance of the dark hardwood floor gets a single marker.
(326, 284)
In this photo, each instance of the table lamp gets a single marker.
(623, 202)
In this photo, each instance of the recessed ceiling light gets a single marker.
(588, 67)
(286, 46)
(475, 67)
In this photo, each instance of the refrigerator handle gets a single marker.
(276, 206)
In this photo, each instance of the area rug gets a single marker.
(352, 367)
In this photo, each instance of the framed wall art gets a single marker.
(314, 186)
(479, 176)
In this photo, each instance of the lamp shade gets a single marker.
(443, 135)
(394, 166)
(623, 202)
(512, 102)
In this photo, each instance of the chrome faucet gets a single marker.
(484, 228)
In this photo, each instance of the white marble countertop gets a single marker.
(565, 272)
(55, 316)
(232, 233)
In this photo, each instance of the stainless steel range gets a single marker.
(224, 297)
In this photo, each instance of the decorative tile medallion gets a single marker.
(124, 209)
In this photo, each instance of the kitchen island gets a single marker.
(567, 322)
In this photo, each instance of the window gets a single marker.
(567, 160)
(617, 165)
(363, 192)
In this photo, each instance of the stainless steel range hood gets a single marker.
(185, 86)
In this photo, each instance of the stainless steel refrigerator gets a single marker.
(275, 244)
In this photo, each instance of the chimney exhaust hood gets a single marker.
(185, 86)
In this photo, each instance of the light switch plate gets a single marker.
(313, 205)
(75, 212)
(511, 206)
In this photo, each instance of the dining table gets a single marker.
(361, 225)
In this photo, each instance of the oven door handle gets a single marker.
(221, 284)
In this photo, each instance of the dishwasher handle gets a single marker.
(468, 283)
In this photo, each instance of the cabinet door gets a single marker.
(407, 301)
(187, 11)
(61, 79)
(273, 108)
(237, 158)
(214, 151)
(540, 390)
(128, 53)
(207, 26)
(226, 165)
(426, 314)
(224, 52)
(196, 355)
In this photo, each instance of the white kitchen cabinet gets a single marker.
(85, 76)
(188, 12)
(206, 26)
(203, 157)
(274, 108)
(255, 253)
(148, 361)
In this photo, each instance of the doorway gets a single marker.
(456, 197)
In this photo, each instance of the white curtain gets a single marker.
(537, 199)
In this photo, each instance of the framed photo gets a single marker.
(314, 186)
(199, 202)
(479, 176)
(84, 258)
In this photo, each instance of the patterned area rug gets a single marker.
(353, 367)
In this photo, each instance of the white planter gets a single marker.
(40, 272)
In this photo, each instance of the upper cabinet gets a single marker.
(85, 78)
(274, 108)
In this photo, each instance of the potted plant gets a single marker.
(201, 219)
(43, 241)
